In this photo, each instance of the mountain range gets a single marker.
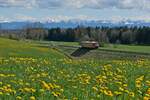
(72, 24)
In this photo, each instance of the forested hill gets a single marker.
(120, 35)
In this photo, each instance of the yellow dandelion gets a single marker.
(148, 83)
(140, 78)
(138, 84)
(56, 94)
(75, 98)
(1, 83)
(125, 85)
(1, 93)
(62, 90)
(45, 85)
(146, 98)
(117, 93)
(95, 88)
(148, 91)
(32, 98)
(121, 89)
(131, 94)
(41, 90)
(33, 90)
(108, 93)
(127, 91)
(18, 97)
(27, 89)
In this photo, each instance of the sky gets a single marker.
(58, 10)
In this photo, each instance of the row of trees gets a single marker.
(122, 35)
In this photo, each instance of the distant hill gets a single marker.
(71, 24)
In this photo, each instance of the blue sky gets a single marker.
(57, 10)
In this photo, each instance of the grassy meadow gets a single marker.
(30, 71)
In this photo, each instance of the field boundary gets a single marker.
(101, 49)
(100, 52)
(129, 52)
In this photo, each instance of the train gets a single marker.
(89, 44)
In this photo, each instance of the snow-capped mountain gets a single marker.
(71, 24)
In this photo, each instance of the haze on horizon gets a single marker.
(57, 10)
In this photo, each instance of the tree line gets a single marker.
(120, 35)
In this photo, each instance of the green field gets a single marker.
(113, 47)
(130, 48)
(32, 70)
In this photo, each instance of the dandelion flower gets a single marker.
(18, 97)
(32, 98)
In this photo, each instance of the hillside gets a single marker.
(25, 49)
(109, 51)
(30, 70)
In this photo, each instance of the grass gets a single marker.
(25, 49)
(114, 47)
(128, 48)
(30, 71)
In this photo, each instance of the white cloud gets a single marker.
(115, 19)
(135, 4)
(4, 19)
(19, 17)
(55, 18)
(144, 18)
(96, 4)
(59, 18)
(17, 3)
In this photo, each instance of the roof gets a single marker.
(89, 42)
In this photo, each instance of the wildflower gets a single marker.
(8, 85)
(2, 75)
(27, 90)
(32, 98)
(33, 90)
(1, 93)
(53, 86)
(56, 94)
(121, 89)
(75, 98)
(101, 90)
(148, 83)
(45, 85)
(148, 91)
(140, 78)
(125, 85)
(61, 90)
(108, 93)
(95, 88)
(18, 98)
(127, 91)
(41, 90)
(138, 84)
(1, 83)
(120, 83)
(146, 98)
(117, 93)
(131, 94)
(14, 92)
